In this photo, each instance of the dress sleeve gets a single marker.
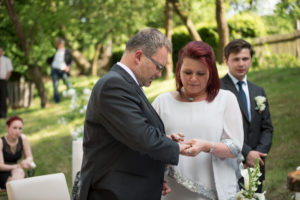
(156, 104)
(233, 135)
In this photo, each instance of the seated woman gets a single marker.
(12, 146)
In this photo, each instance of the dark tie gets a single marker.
(243, 96)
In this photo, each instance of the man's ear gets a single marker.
(225, 60)
(137, 56)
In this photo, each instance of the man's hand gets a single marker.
(252, 156)
(67, 69)
(183, 147)
(166, 189)
(177, 137)
(196, 146)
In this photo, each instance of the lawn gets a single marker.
(51, 141)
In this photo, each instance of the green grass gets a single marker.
(51, 142)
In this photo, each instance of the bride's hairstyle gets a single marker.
(202, 52)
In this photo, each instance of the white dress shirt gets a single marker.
(246, 90)
(5, 67)
(59, 60)
(129, 71)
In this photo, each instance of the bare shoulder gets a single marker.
(24, 137)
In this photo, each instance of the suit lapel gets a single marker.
(230, 85)
(251, 97)
(141, 93)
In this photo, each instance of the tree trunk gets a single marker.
(186, 20)
(169, 20)
(105, 58)
(36, 75)
(95, 60)
(33, 69)
(223, 31)
(293, 181)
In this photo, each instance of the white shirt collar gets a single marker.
(129, 71)
(235, 80)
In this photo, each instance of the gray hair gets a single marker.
(149, 41)
(60, 40)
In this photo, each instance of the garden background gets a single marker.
(97, 30)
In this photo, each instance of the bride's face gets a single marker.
(194, 76)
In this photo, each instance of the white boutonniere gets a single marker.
(260, 103)
(251, 182)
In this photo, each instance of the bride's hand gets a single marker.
(196, 146)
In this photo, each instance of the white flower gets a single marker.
(65, 93)
(61, 120)
(260, 103)
(260, 196)
(86, 91)
(245, 175)
(71, 92)
(251, 181)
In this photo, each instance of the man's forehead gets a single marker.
(242, 53)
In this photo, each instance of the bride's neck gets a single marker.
(192, 97)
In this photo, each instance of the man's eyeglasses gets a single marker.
(159, 67)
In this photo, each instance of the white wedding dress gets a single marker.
(204, 176)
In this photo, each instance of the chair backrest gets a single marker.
(46, 187)
(77, 154)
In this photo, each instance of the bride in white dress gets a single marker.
(211, 122)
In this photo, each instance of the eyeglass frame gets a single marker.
(159, 67)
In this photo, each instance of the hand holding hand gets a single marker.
(166, 189)
(183, 147)
(196, 146)
(251, 158)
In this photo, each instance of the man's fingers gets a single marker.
(261, 162)
(262, 154)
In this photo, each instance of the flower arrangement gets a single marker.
(260, 103)
(251, 181)
(77, 109)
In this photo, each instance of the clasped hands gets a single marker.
(190, 147)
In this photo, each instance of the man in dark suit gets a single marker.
(125, 148)
(253, 103)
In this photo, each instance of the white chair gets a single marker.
(77, 154)
(46, 187)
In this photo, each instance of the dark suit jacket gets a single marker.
(68, 59)
(258, 132)
(125, 147)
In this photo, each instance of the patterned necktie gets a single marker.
(243, 96)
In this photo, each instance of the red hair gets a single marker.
(202, 52)
(12, 119)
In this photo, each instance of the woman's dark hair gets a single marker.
(13, 118)
(202, 52)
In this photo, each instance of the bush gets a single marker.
(246, 25)
(179, 40)
(279, 61)
(210, 36)
(116, 56)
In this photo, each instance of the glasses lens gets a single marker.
(158, 66)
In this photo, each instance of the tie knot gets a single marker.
(240, 83)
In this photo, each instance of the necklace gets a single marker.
(191, 99)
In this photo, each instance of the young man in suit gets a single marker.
(125, 148)
(253, 103)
